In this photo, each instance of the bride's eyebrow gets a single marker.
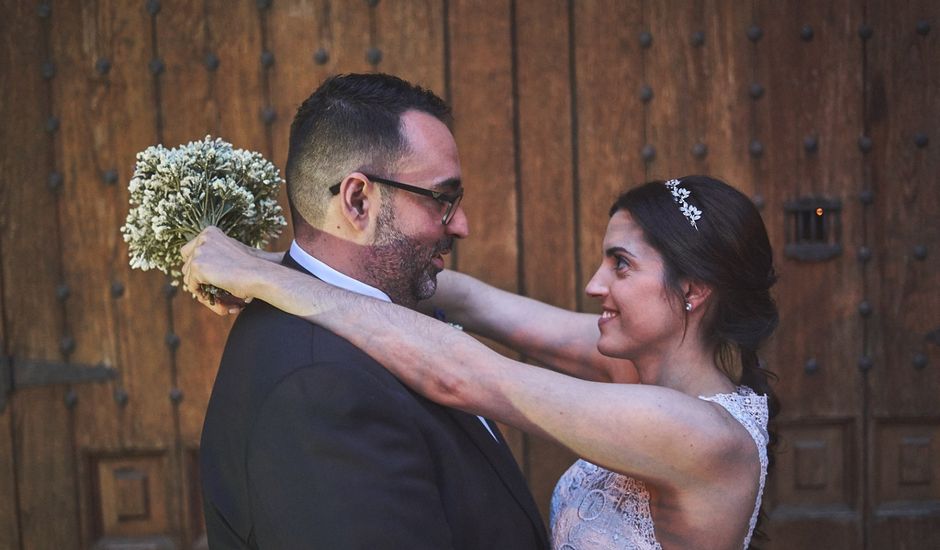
(614, 250)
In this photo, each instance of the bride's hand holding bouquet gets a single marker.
(176, 193)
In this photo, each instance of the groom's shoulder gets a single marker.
(271, 344)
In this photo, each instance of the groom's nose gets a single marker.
(459, 226)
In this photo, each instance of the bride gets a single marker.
(677, 460)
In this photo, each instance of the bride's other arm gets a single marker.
(560, 339)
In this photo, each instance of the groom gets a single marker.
(308, 442)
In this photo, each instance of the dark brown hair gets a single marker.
(730, 252)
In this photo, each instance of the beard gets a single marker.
(401, 265)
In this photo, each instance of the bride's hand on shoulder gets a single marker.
(213, 258)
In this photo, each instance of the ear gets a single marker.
(359, 201)
(696, 293)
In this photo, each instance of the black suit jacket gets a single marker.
(309, 443)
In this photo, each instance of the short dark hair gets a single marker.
(351, 122)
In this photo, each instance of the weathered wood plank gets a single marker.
(184, 112)
(9, 521)
(699, 67)
(482, 99)
(410, 37)
(33, 319)
(10, 107)
(125, 101)
(809, 62)
(609, 121)
(903, 100)
(671, 66)
(546, 189)
(813, 90)
(86, 205)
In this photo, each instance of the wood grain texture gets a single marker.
(813, 90)
(125, 102)
(903, 99)
(410, 36)
(9, 521)
(86, 205)
(482, 99)
(9, 109)
(183, 112)
(481, 95)
(903, 102)
(101, 131)
(546, 189)
(42, 453)
(610, 121)
(699, 67)
(294, 32)
(297, 30)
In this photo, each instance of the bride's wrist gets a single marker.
(268, 256)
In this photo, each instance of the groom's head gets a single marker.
(373, 176)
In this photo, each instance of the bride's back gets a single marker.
(594, 508)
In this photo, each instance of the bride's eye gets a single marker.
(621, 263)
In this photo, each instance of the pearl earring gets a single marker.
(688, 306)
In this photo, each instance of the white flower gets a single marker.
(176, 193)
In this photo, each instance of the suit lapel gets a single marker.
(496, 452)
(500, 457)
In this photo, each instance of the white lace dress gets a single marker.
(594, 508)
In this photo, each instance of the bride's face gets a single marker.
(640, 317)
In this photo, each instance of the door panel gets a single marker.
(904, 107)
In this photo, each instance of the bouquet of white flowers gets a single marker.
(176, 193)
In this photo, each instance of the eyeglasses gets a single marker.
(451, 200)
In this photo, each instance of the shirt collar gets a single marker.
(329, 275)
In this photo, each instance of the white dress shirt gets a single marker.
(329, 275)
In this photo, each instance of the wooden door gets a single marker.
(105, 372)
(849, 96)
(106, 462)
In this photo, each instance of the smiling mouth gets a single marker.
(607, 315)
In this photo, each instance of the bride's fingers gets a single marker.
(215, 306)
(187, 279)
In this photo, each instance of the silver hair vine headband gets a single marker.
(679, 194)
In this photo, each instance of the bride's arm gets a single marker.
(557, 338)
(659, 434)
(560, 339)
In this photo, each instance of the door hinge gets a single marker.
(21, 373)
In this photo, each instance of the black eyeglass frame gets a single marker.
(452, 200)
